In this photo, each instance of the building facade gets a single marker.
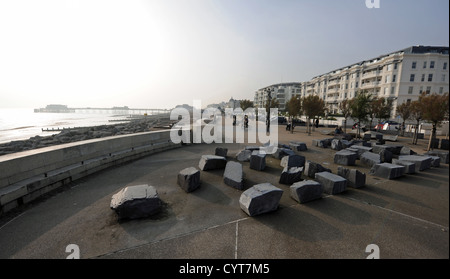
(401, 76)
(283, 92)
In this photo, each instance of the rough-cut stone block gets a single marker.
(291, 175)
(385, 156)
(410, 168)
(221, 151)
(405, 150)
(422, 162)
(379, 136)
(355, 178)
(293, 161)
(390, 137)
(337, 144)
(311, 168)
(259, 199)
(212, 162)
(442, 154)
(258, 160)
(367, 137)
(345, 157)
(362, 148)
(233, 175)
(435, 161)
(324, 143)
(244, 155)
(189, 179)
(281, 152)
(306, 191)
(332, 184)
(252, 148)
(369, 159)
(298, 146)
(388, 171)
(134, 202)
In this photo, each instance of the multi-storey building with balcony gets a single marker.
(283, 92)
(401, 76)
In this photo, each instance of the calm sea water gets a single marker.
(19, 124)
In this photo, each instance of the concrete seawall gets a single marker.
(27, 175)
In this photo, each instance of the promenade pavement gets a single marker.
(406, 218)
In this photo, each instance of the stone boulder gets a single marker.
(189, 179)
(305, 191)
(355, 178)
(135, 202)
(281, 152)
(422, 162)
(370, 159)
(345, 157)
(221, 151)
(410, 168)
(258, 160)
(387, 171)
(244, 155)
(212, 162)
(442, 154)
(259, 199)
(293, 161)
(332, 184)
(298, 146)
(233, 175)
(291, 175)
(311, 168)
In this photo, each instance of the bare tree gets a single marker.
(312, 106)
(404, 111)
(346, 111)
(294, 106)
(435, 109)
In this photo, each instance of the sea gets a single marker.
(23, 123)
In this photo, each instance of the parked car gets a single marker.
(388, 125)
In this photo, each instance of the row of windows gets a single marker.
(412, 78)
(414, 65)
(428, 90)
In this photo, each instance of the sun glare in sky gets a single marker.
(158, 54)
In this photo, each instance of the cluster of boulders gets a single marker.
(79, 134)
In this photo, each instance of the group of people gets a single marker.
(245, 121)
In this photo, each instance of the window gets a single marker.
(392, 90)
(389, 67)
(425, 64)
(346, 86)
(410, 90)
(386, 79)
(428, 89)
(408, 101)
(441, 90)
(393, 78)
(414, 64)
(385, 91)
(443, 78)
(430, 77)
(356, 85)
(423, 78)
(421, 90)
(445, 66)
(395, 66)
(432, 65)
(412, 77)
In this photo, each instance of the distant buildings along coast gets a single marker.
(401, 76)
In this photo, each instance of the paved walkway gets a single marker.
(407, 217)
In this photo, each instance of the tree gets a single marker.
(435, 109)
(245, 104)
(360, 108)
(381, 109)
(346, 111)
(416, 114)
(404, 111)
(313, 106)
(293, 106)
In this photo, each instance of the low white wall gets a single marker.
(24, 176)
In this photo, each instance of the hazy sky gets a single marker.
(160, 53)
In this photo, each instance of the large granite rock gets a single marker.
(387, 171)
(311, 168)
(332, 184)
(258, 160)
(442, 154)
(370, 159)
(259, 199)
(405, 150)
(345, 157)
(355, 178)
(435, 161)
(135, 202)
(324, 143)
(189, 179)
(291, 175)
(293, 161)
(212, 162)
(298, 146)
(336, 144)
(305, 191)
(422, 162)
(385, 156)
(221, 151)
(244, 155)
(410, 168)
(233, 175)
(281, 152)
(445, 145)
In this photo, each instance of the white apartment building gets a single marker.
(401, 76)
(283, 92)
